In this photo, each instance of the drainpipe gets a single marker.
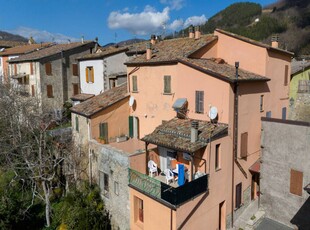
(235, 142)
(90, 166)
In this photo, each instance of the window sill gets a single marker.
(261, 111)
(90, 82)
(135, 91)
(218, 169)
(167, 93)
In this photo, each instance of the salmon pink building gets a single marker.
(199, 100)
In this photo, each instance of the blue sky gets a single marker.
(109, 20)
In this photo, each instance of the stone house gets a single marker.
(9, 53)
(285, 172)
(52, 72)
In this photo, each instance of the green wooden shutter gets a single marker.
(103, 132)
(77, 123)
(134, 84)
(167, 84)
(130, 126)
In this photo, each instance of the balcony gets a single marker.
(165, 193)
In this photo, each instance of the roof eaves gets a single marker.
(102, 56)
(253, 42)
(211, 73)
(151, 63)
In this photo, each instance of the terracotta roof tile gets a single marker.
(55, 49)
(224, 71)
(24, 49)
(171, 50)
(101, 101)
(104, 52)
(82, 97)
(176, 134)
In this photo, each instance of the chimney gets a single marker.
(153, 39)
(191, 32)
(194, 131)
(82, 39)
(96, 44)
(197, 32)
(148, 51)
(275, 41)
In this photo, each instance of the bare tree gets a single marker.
(27, 148)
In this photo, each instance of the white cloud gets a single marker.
(42, 35)
(176, 24)
(147, 22)
(195, 20)
(174, 4)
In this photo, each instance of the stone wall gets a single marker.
(285, 146)
(300, 110)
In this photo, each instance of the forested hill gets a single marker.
(11, 37)
(288, 18)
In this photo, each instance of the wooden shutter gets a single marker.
(134, 84)
(49, 89)
(75, 69)
(238, 195)
(130, 126)
(199, 102)
(244, 145)
(86, 74)
(296, 182)
(32, 91)
(92, 74)
(286, 75)
(167, 84)
(103, 132)
(48, 68)
(31, 68)
(15, 69)
(75, 89)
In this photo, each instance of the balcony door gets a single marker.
(165, 157)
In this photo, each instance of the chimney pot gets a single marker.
(191, 32)
(197, 32)
(194, 131)
(148, 51)
(275, 41)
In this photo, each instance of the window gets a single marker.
(296, 182)
(48, 68)
(167, 84)
(284, 113)
(103, 132)
(199, 102)
(32, 91)
(261, 103)
(238, 195)
(134, 84)
(268, 114)
(77, 123)
(89, 71)
(138, 203)
(49, 90)
(286, 75)
(75, 88)
(217, 157)
(116, 188)
(75, 71)
(104, 183)
(244, 145)
(112, 83)
(31, 68)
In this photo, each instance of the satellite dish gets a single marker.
(131, 101)
(213, 112)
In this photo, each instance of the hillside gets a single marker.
(11, 37)
(288, 18)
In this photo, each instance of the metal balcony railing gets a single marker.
(158, 190)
